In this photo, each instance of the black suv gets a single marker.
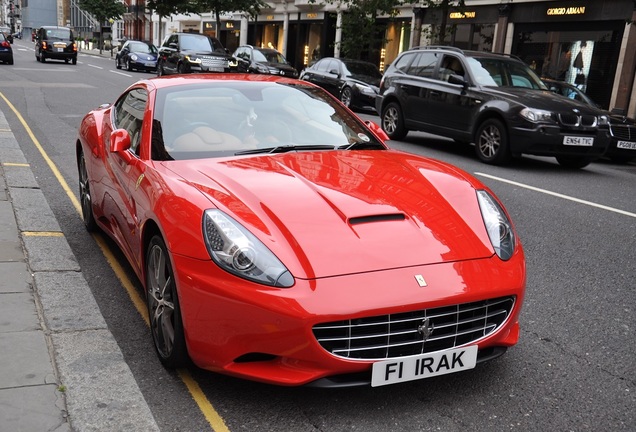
(52, 42)
(184, 53)
(264, 61)
(492, 100)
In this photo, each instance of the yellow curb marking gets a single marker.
(42, 234)
(10, 164)
(211, 415)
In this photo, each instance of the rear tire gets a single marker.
(86, 198)
(393, 121)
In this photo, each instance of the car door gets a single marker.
(169, 53)
(125, 168)
(450, 105)
(333, 79)
(415, 86)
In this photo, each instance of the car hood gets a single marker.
(342, 212)
(367, 80)
(540, 99)
(280, 66)
(145, 56)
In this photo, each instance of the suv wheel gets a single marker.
(393, 122)
(183, 69)
(42, 58)
(574, 162)
(491, 143)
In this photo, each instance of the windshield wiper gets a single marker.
(284, 149)
(362, 145)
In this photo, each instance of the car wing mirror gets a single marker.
(377, 130)
(119, 141)
(173, 46)
(458, 80)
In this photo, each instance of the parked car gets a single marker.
(264, 61)
(262, 209)
(184, 53)
(58, 43)
(7, 33)
(492, 100)
(354, 82)
(6, 51)
(622, 146)
(137, 55)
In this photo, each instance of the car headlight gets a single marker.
(262, 69)
(133, 57)
(193, 59)
(232, 62)
(497, 224)
(365, 90)
(536, 115)
(238, 251)
(603, 120)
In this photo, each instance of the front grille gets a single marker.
(397, 335)
(575, 120)
(623, 132)
(209, 61)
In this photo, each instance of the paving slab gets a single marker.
(15, 277)
(32, 211)
(25, 360)
(50, 253)
(18, 313)
(35, 409)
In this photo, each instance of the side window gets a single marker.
(129, 115)
(451, 65)
(321, 66)
(424, 64)
(402, 64)
(171, 39)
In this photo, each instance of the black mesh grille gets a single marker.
(397, 335)
(624, 132)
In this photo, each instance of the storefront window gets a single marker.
(586, 59)
(478, 37)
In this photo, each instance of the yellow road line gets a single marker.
(211, 415)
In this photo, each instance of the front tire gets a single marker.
(163, 306)
(393, 121)
(491, 143)
(573, 162)
(129, 68)
(346, 96)
(42, 58)
(183, 69)
(86, 198)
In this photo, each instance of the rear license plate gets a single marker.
(626, 145)
(578, 141)
(60, 50)
(216, 69)
(423, 366)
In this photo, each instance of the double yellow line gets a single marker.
(211, 415)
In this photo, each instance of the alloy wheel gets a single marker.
(345, 97)
(489, 141)
(85, 196)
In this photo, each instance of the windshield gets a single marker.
(269, 57)
(503, 72)
(200, 43)
(223, 118)
(361, 68)
(60, 34)
(143, 48)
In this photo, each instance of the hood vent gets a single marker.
(377, 218)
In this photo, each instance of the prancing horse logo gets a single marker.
(426, 328)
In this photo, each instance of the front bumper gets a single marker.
(266, 334)
(548, 140)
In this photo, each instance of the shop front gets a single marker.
(578, 42)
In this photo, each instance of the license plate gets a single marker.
(626, 145)
(423, 366)
(60, 50)
(578, 141)
(151, 64)
(216, 69)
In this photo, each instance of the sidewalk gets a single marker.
(60, 367)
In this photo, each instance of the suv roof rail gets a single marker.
(450, 48)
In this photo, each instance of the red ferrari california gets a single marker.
(280, 240)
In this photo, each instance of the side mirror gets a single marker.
(457, 80)
(119, 141)
(377, 130)
(173, 46)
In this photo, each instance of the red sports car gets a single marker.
(280, 240)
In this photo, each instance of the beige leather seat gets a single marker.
(205, 138)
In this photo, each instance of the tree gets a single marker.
(440, 9)
(360, 32)
(103, 11)
(165, 8)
